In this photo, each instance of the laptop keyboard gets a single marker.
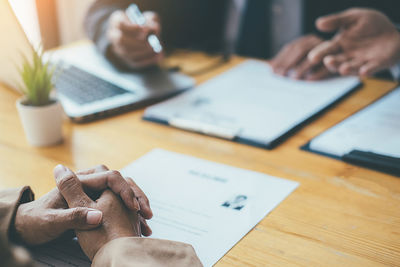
(82, 87)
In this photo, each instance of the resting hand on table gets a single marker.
(49, 217)
(129, 41)
(117, 221)
(292, 60)
(366, 42)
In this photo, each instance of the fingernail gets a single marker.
(150, 213)
(94, 217)
(59, 169)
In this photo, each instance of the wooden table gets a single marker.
(341, 215)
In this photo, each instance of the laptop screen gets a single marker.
(13, 44)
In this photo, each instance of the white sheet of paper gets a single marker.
(253, 101)
(373, 129)
(208, 205)
(193, 200)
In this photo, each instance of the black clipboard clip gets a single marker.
(387, 164)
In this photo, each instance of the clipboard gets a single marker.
(212, 108)
(369, 160)
(365, 156)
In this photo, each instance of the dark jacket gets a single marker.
(200, 24)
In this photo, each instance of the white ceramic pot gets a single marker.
(42, 125)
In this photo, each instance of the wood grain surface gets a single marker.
(341, 215)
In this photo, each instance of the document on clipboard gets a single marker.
(249, 104)
(370, 138)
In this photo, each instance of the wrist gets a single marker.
(92, 241)
(111, 243)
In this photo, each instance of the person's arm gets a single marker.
(97, 21)
(134, 251)
(366, 42)
(292, 60)
(26, 221)
(116, 242)
(121, 41)
(10, 200)
(12, 256)
(395, 71)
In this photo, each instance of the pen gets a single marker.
(135, 16)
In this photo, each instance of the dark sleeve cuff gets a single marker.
(102, 42)
(9, 202)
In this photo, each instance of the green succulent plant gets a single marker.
(37, 79)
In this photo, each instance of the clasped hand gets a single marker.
(118, 208)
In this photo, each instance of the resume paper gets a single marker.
(208, 205)
(250, 103)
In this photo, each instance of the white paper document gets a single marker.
(208, 205)
(374, 129)
(251, 103)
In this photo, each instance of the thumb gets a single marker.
(77, 218)
(334, 22)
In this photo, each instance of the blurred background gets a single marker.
(52, 22)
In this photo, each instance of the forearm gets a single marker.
(134, 251)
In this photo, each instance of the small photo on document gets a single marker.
(237, 202)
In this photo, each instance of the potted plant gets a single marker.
(41, 115)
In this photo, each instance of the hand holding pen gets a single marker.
(135, 40)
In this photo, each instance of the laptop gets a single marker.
(87, 84)
(90, 87)
(13, 46)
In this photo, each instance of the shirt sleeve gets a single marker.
(135, 251)
(9, 201)
(97, 20)
(12, 256)
(395, 71)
